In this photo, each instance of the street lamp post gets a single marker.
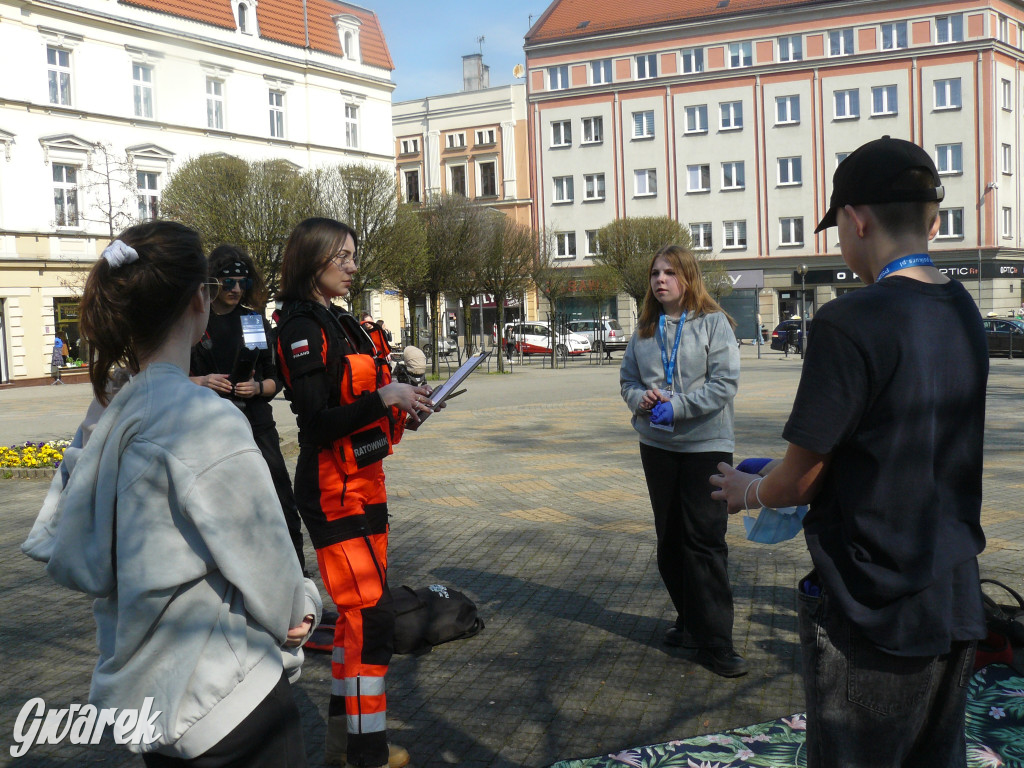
(803, 309)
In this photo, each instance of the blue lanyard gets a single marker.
(669, 363)
(913, 260)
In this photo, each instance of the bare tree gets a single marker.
(626, 246)
(509, 255)
(404, 264)
(111, 187)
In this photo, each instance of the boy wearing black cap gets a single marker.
(885, 444)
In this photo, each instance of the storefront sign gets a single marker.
(489, 302)
(956, 270)
(744, 279)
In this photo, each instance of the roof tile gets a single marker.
(282, 20)
(582, 18)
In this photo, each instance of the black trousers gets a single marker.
(269, 737)
(692, 553)
(269, 443)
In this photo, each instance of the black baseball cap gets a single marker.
(867, 176)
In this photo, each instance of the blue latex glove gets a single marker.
(662, 414)
(752, 466)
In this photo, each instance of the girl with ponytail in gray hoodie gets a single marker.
(167, 516)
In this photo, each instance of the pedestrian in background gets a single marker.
(886, 443)
(57, 359)
(169, 522)
(222, 351)
(679, 376)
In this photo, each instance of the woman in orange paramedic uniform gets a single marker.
(349, 415)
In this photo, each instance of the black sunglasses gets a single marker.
(229, 283)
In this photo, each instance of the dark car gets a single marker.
(1005, 337)
(786, 336)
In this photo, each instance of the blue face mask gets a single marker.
(773, 526)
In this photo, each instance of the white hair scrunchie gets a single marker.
(119, 253)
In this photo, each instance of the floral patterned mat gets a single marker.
(995, 736)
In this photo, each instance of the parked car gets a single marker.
(1005, 337)
(603, 334)
(787, 336)
(535, 339)
(445, 347)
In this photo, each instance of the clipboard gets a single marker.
(449, 388)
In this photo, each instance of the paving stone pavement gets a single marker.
(527, 494)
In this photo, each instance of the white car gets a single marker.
(534, 338)
(606, 333)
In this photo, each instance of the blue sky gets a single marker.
(428, 38)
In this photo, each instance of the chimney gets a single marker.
(475, 74)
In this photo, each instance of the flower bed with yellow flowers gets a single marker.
(32, 456)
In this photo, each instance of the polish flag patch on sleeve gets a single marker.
(300, 348)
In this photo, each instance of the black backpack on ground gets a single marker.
(432, 615)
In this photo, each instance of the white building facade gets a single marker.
(110, 96)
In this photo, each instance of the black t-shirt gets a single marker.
(219, 349)
(893, 387)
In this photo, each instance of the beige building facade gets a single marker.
(732, 119)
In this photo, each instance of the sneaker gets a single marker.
(722, 661)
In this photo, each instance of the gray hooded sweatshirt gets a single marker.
(704, 383)
(170, 520)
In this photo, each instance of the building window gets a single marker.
(561, 133)
(410, 146)
(847, 104)
(735, 234)
(787, 110)
(277, 114)
(791, 48)
(949, 29)
(351, 126)
(947, 93)
(142, 90)
(563, 189)
(643, 125)
(698, 178)
(1007, 91)
(601, 72)
(1007, 156)
(840, 156)
(592, 246)
(485, 137)
(488, 179)
(412, 186)
(733, 176)
(456, 141)
(697, 119)
(883, 100)
(791, 231)
(740, 55)
(790, 171)
(1007, 222)
(565, 245)
(840, 42)
(58, 75)
(65, 195)
(646, 66)
(700, 236)
(558, 78)
(593, 130)
(1004, 30)
(949, 158)
(730, 115)
(593, 186)
(214, 103)
(149, 194)
(894, 36)
(645, 182)
(243, 18)
(951, 222)
(693, 60)
(457, 179)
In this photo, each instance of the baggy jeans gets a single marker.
(871, 709)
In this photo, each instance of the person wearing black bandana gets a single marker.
(247, 377)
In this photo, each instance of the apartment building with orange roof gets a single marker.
(731, 116)
(152, 83)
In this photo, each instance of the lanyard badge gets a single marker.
(662, 414)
